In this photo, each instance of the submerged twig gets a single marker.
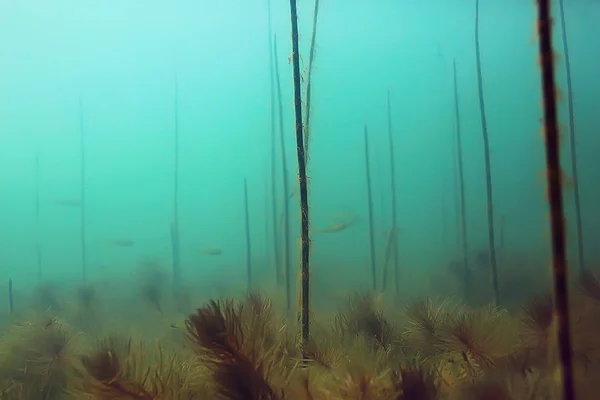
(557, 216)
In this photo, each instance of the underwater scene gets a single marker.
(318, 199)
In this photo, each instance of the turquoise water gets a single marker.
(124, 58)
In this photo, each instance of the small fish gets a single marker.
(69, 203)
(337, 227)
(211, 252)
(174, 326)
(121, 243)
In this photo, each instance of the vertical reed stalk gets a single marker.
(248, 243)
(286, 205)
(394, 239)
(488, 166)
(311, 59)
(175, 223)
(572, 142)
(82, 198)
(38, 245)
(461, 189)
(557, 217)
(276, 255)
(11, 301)
(303, 181)
(370, 205)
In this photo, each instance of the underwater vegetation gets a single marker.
(247, 348)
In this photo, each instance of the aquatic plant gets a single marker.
(82, 176)
(311, 60)
(370, 208)
(286, 206)
(175, 222)
(393, 238)
(572, 136)
(273, 184)
(461, 188)
(488, 164)
(557, 216)
(302, 180)
(248, 239)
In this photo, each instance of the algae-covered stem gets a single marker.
(393, 187)
(276, 255)
(248, 243)
(82, 221)
(461, 187)
(305, 249)
(175, 223)
(572, 143)
(557, 217)
(38, 245)
(286, 204)
(370, 206)
(488, 167)
(311, 59)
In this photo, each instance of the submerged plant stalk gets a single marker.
(488, 166)
(311, 59)
(248, 243)
(276, 255)
(286, 205)
(461, 189)
(370, 205)
(572, 142)
(38, 245)
(557, 217)
(11, 301)
(394, 238)
(303, 181)
(175, 223)
(82, 222)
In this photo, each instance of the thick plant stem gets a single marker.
(557, 217)
(303, 180)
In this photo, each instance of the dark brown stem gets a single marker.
(286, 192)
(303, 180)
(573, 145)
(557, 217)
(488, 166)
(370, 206)
(461, 189)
